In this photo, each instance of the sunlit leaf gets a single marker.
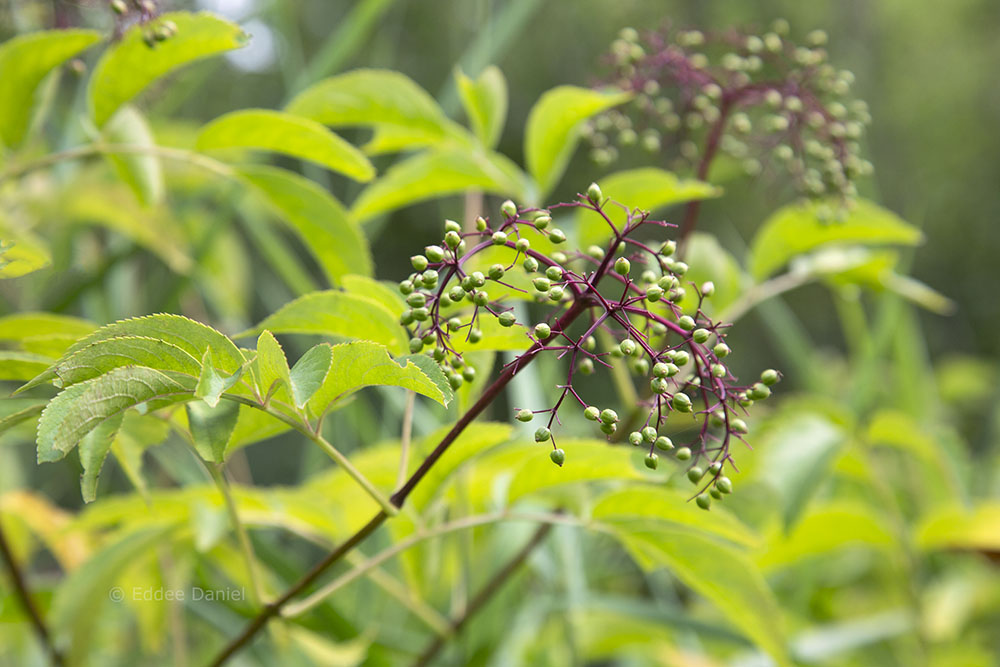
(21, 253)
(485, 102)
(93, 450)
(320, 221)
(438, 172)
(142, 173)
(21, 366)
(211, 427)
(130, 65)
(797, 229)
(24, 325)
(280, 132)
(211, 383)
(105, 355)
(338, 315)
(976, 528)
(553, 127)
(24, 62)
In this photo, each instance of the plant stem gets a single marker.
(711, 146)
(242, 537)
(24, 596)
(495, 583)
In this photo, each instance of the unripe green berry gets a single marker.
(721, 350)
(509, 209)
(609, 429)
(541, 222)
(635, 438)
(759, 391)
(496, 272)
(406, 287)
(416, 299)
(770, 377)
(704, 501)
(530, 264)
(595, 251)
(715, 468)
(507, 319)
(708, 288)
(416, 345)
(556, 293)
(499, 238)
(481, 224)
(542, 434)
(119, 7)
(715, 493)
(421, 314)
(648, 277)
(686, 322)
(627, 347)
(475, 335)
(664, 443)
(695, 474)
(640, 366)
(406, 319)
(454, 324)
(452, 239)
(559, 257)
(651, 461)
(724, 484)
(455, 380)
(738, 426)
(622, 266)
(683, 454)
(649, 434)
(541, 284)
(478, 279)
(468, 373)
(452, 226)
(542, 331)
(557, 236)
(481, 299)
(668, 248)
(681, 402)
(429, 278)
(456, 293)
(593, 413)
(609, 416)
(525, 415)
(554, 273)
(586, 367)
(590, 344)
(681, 357)
(718, 370)
(558, 456)
(659, 370)
(667, 282)
(654, 293)
(594, 193)
(434, 253)
(701, 335)
(658, 386)
(419, 262)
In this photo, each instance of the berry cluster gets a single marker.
(761, 99)
(681, 356)
(145, 12)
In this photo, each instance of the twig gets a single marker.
(22, 593)
(484, 595)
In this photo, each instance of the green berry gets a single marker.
(721, 350)
(654, 293)
(640, 366)
(649, 434)
(681, 357)
(594, 193)
(683, 454)
(609, 429)
(452, 239)
(701, 335)
(406, 319)
(724, 484)
(119, 7)
(475, 335)
(454, 324)
(595, 251)
(664, 443)
(416, 345)
(530, 264)
(556, 293)
(686, 322)
(648, 277)
(468, 373)
(659, 370)
(452, 226)
(593, 413)
(542, 221)
(590, 344)
(586, 367)
(718, 370)
(456, 293)
(481, 299)
(759, 391)
(635, 438)
(627, 346)
(703, 501)
(558, 456)
(715, 493)
(541, 284)
(542, 331)
(609, 416)
(695, 474)
(681, 402)
(770, 377)
(525, 415)
(738, 426)
(557, 236)
(680, 268)
(419, 262)
(554, 273)
(481, 224)
(478, 279)
(496, 272)
(708, 288)
(715, 468)
(509, 209)
(507, 319)
(658, 386)
(429, 278)
(455, 380)
(651, 461)
(434, 253)
(406, 287)
(542, 434)
(416, 299)
(421, 314)
(499, 238)
(622, 266)
(667, 282)
(523, 245)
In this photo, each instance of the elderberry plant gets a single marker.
(145, 13)
(776, 106)
(682, 356)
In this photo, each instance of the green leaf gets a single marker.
(129, 66)
(211, 427)
(272, 365)
(340, 315)
(797, 229)
(553, 128)
(308, 373)
(105, 355)
(280, 132)
(438, 172)
(93, 450)
(485, 102)
(710, 261)
(317, 217)
(21, 254)
(646, 188)
(644, 503)
(21, 366)
(11, 420)
(24, 62)
(976, 528)
(78, 410)
(363, 364)
(380, 99)
(142, 173)
(84, 592)
(192, 337)
(385, 293)
(720, 573)
(433, 372)
(212, 384)
(21, 326)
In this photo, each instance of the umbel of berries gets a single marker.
(769, 103)
(628, 293)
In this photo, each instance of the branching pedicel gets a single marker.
(683, 355)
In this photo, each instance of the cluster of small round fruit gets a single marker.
(761, 99)
(680, 351)
(145, 12)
